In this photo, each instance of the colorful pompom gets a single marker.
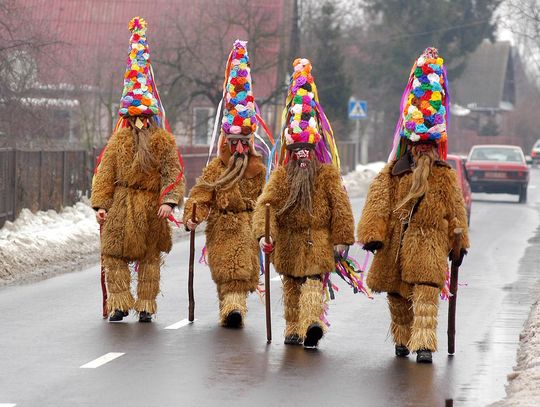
(137, 96)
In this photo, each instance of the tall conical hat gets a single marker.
(239, 115)
(302, 126)
(304, 123)
(425, 105)
(138, 96)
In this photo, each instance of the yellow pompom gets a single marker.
(137, 25)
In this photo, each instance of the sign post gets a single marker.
(357, 112)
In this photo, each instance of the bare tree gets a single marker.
(523, 20)
(192, 64)
(23, 115)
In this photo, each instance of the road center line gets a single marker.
(179, 324)
(102, 360)
(7, 405)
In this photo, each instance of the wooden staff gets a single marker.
(191, 261)
(267, 276)
(456, 254)
(105, 313)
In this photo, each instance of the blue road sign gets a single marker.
(357, 109)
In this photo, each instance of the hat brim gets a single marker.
(300, 146)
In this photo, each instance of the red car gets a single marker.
(498, 169)
(457, 163)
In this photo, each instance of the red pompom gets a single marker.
(238, 121)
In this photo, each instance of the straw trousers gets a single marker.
(118, 279)
(303, 302)
(414, 318)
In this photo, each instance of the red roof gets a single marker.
(93, 37)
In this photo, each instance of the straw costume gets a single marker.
(311, 219)
(137, 183)
(412, 209)
(226, 193)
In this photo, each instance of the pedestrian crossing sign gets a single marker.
(357, 109)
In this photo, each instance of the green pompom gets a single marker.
(436, 104)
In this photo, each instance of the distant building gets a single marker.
(78, 79)
(483, 98)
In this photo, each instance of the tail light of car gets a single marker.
(534, 153)
(517, 174)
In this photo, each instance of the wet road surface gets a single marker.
(48, 330)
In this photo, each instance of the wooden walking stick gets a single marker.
(191, 261)
(267, 276)
(103, 285)
(456, 253)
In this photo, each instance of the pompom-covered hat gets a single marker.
(302, 126)
(138, 97)
(424, 106)
(239, 115)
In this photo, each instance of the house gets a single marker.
(78, 74)
(484, 98)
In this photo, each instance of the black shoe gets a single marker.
(118, 315)
(402, 351)
(234, 319)
(145, 316)
(293, 339)
(424, 356)
(313, 335)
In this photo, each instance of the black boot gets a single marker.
(234, 319)
(424, 356)
(293, 339)
(402, 351)
(145, 316)
(313, 335)
(118, 315)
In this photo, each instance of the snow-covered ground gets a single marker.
(523, 387)
(46, 243)
(357, 182)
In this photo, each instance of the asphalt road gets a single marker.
(48, 330)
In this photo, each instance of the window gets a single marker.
(203, 122)
(499, 154)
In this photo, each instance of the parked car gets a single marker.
(498, 169)
(535, 154)
(459, 165)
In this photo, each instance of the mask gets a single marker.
(302, 156)
(238, 146)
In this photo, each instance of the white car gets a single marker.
(535, 153)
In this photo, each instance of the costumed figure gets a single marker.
(226, 193)
(412, 209)
(138, 182)
(311, 220)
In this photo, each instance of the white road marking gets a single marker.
(179, 324)
(102, 360)
(276, 278)
(7, 405)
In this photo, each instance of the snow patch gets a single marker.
(47, 238)
(523, 387)
(357, 182)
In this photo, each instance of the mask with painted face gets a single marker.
(238, 146)
(302, 156)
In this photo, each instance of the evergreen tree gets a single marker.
(326, 51)
(399, 30)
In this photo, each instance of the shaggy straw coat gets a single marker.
(304, 244)
(233, 254)
(132, 198)
(417, 254)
